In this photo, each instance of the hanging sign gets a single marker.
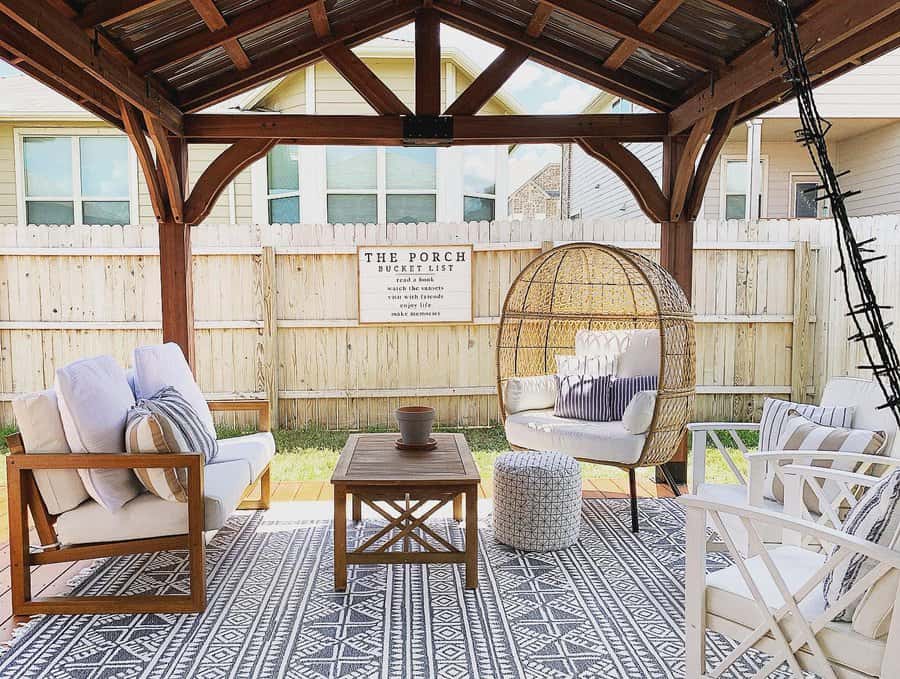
(415, 283)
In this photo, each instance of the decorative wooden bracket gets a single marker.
(219, 173)
(721, 128)
(168, 167)
(633, 172)
(132, 121)
(684, 172)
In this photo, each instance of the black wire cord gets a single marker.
(855, 256)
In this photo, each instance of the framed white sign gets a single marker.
(415, 283)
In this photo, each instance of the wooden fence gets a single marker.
(276, 312)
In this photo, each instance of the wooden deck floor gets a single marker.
(53, 579)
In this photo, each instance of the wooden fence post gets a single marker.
(267, 363)
(800, 345)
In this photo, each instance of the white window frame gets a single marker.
(501, 181)
(19, 135)
(801, 178)
(298, 194)
(764, 189)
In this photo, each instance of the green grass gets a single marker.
(309, 454)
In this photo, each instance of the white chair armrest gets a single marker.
(826, 474)
(786, 455)
(805, 528)
(729, 426)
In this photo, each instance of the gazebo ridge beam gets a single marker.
(388, 130)
(822, 25)
(70, 42)
(556, 56)
(624, 28)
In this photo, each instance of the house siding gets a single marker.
(597, 193)
(873, 160)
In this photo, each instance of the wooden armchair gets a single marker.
(24, 498)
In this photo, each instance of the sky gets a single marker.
(536, 89)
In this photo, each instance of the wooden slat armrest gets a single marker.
(807, 528)
(715, 426)
(244, 405)
(850, 478)
(781, 455)
(190, 461)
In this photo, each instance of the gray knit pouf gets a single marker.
(537, 500)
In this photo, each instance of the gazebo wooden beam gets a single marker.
(100, 12)
(361, 78)
(239, 25)
(556, 56)
(215, 21)
(135, 131)
(684, 171)
(168, 166)
(624, 28)
(633, 173)
(754, 10)
(538, 20)
(653, 19)
(822, 25)
(66, 38)
(428, 62)
(291, 57)
(325, 129)
(488, 82)
(721, 128)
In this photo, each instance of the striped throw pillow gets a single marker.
(626, 388)
(877, 519)
(583, 397)
(167, 423)
(775, 414)
(801, 433)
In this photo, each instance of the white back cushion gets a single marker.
(866, 396)
(37, 417)
(163, 365)
(635, 352)
(601, 342)
(530, 393)
(94, 398)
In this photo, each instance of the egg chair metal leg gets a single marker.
(632, 488)
(667, 473)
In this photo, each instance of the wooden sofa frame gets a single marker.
(24, 497)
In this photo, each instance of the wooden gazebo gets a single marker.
(700, 66)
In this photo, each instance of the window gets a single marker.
(76, 180)
(283, 175)
(622, 106)
(804, 197)
(367, 185)
(735, 188)
(479, 184)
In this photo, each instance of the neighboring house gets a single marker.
(61, 165)
(864, 109)
(538, 197)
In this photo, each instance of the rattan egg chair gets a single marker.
(601, 287)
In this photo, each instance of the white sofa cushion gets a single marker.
(592, 366)
(94, 398)
(255, 450)
(163, 365)
(634, 352)
(597, 441)
(601, 342)
(529, 393)
(728, 598)
(38, 421)
(638, 413)
(148, 516)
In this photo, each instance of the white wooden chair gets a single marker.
(772, 602)
(865, 395)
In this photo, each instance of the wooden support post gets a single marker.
(175, 267)
(428, 62)
(267, 376)
(676, 255)
(800, 347)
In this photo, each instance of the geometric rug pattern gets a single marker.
(610, 606)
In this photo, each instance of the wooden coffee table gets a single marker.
(405, 489)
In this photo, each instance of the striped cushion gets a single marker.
(583, 397)
(775, 414)
(626, 388)
(167, 423)
(801, 433)
(877, 519)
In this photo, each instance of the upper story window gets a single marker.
(479, 183)
(735, 191)
(622, 106)
(76, 179)
(283, 194)
(368, 185)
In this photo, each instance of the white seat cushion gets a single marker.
(729, 598)
(255, 450)
(148, 516)
(597, 441)
(163, 365)
(37, 417)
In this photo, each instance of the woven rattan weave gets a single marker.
(601, 287)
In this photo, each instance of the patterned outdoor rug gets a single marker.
(611, 606)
